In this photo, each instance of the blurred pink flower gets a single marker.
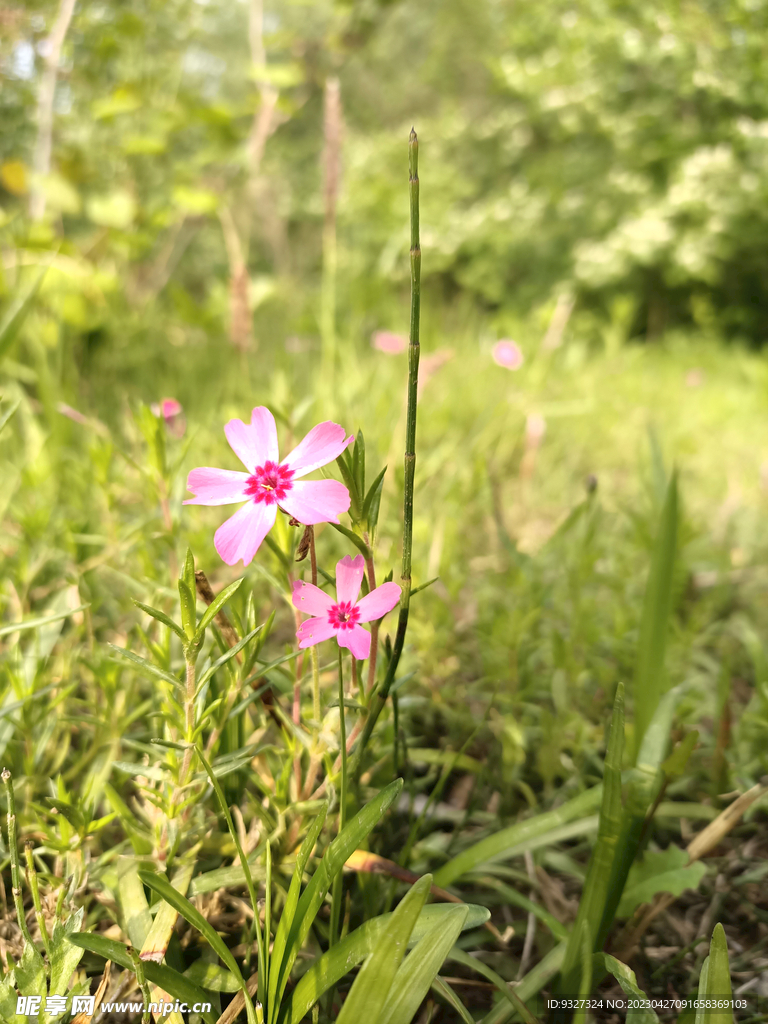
(508, 354)
(341, 618)
(386, 341)
(270, 484)
(172, 412)
(535, 429)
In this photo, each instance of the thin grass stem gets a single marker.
(35, 887)
(13, 852)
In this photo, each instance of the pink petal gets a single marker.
(357, 640)
(314, 631)
(380, 601)
(322, 445)
(254, 443)
(240, 536)
(316, 501)
(310, 599)
(349, 576)
(386, 341)
(216, 486)
(508, 354)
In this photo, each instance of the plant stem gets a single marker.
(380, 698)
(189, 713)
(336, 892)
(138, 970)
(33, 884)
(313, 655)
(372, 657)
(14, 855)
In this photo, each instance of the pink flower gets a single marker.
(270, 484)
(173, 413)
(386, 341)
(507, 354)
(341, 618)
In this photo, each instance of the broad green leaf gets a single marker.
(341, 958)
(212, 977)
(8, 999)
(333, 860)
(137, 920)
(654, 624)
(665, 871)
(628, 982)
(216, 605)
(162, 617)
(370, 993)
(64, 955)
(417, 972)
(30, 972)
(502, 844)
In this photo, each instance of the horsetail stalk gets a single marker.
(380, 697)
(13, 852)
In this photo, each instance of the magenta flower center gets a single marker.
(270, 483)
(343, 615)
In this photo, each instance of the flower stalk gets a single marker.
(13, 851)
(35, 887)
(380, 698)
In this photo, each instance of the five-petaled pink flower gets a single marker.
(270, 484)
(341, 618)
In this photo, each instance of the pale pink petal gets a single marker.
(240, 536)
(322, 445)
(216, 486)
(310, 599)
(316, 501)
(314, 631)
(349, 576)
(357, 640)
(380, 601)
(254, 443)
(386, 341)
(508, 354)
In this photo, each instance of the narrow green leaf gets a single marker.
(353, 537)
(6, 416)
(657, 608)
(531, 984)
(145, 666)
(17, 627)
(347, 473)
(497, 846)
(137, 920)
(193, 916)
(188, 571)
(372, 502)
(216, 605)
(359, 463)
(188, 609)
(424, 586)
(370, 992)
(227, 656)
(509, 993)
(416, 974)
(452, 999)
(162, 617)
(595, 891)
(17, 312)
(211, 976)
(278, 955)
(716, 980)
(626, 978)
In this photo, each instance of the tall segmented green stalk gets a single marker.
(410, 447)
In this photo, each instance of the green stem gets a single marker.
(189, 712)
(33, 884)
(372, 657)
(313, 655)
(138, 970)
(14, 855)
(380, 698)
(336, 893)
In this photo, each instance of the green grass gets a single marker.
(512, 656)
